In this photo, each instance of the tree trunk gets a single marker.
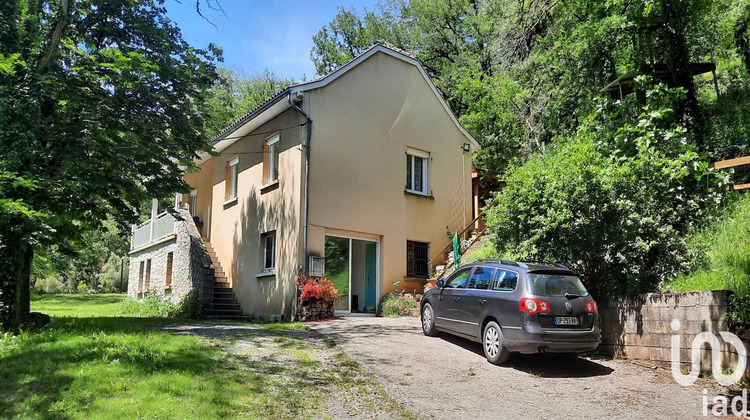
(19, 303)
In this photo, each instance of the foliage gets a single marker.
(722, 254)
(337, 254)
(613, 201)
(398, 303)
(316, 288)
(191, 307)
(234, 94)
(486, 251)
(82, 288)
(97, 114)
(153, 304)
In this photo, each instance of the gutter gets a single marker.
(306, 214)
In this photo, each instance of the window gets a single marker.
(481, 278)
(269, 252)
(193, 201)
(140, 276)
(417, 259)
(458, 280)
(148, 274)
(416, 171)
(170, 256)
(232, 168)
(271, 159)
(505, 281)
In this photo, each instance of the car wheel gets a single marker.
(428, 320)
(493, 342)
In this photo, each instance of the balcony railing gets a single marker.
(161, 226)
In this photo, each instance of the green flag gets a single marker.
(456, 253)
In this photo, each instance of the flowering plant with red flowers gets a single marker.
(316, 288)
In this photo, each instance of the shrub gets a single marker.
(316, 288)
(398, 304)
(613, 202)
(152, 305)
(82, 288)
(191, 307)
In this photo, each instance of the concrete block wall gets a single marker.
(641, 326)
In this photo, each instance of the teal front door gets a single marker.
(370, 274)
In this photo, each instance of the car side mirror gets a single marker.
(440, 283)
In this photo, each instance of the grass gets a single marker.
(724, 248)
(89, 363)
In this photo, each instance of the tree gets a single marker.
(97, 114)
(234, 95)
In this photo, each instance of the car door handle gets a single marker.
(457, 298)
(482, 301)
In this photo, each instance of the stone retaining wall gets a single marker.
(641, 327)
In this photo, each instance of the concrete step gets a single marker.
(246, 318)
(211, 254)
(222, 279)
(218, 273)
(226, 307)
(218, 284)
(223, 312)
(224, 299)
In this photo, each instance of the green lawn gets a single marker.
(89, 363)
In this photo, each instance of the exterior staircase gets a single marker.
(224, 303)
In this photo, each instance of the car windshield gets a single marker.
(544, 284)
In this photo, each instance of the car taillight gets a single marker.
(533, 306)
(591, 307)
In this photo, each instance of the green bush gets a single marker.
(613, 202)
(191, 307)
(152, 305)
(398, 304)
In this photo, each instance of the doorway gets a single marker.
(352, 266)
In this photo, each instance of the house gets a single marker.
(362, 175)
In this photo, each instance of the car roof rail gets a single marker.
(554, 264)
(499, 261)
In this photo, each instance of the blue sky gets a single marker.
(258, 35)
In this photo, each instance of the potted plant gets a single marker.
(315, 296)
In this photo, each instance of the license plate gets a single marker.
(566, 320)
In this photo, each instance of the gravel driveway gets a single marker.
(448, 378)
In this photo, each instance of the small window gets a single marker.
(232, 171)
(417, 259)
(193, 201)
(170, 256)
(416, 171)
(505, 281)
(481, 278)
(271, 160)
(148, 274)
(458, 280)
(140, 275)
(269, 252)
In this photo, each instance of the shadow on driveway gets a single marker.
(549, 365)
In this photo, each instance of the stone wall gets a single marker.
(191, 266)
(641, 327)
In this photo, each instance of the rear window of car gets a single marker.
(505, 281)
(544, 284)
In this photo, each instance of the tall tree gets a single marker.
(97, 113)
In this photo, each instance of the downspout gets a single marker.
(307, 175)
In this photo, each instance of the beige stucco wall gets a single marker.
(236, 227)
(363, 123)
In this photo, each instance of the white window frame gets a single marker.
(233, 177)
(272, 237)
(411, 156)
(273, 158)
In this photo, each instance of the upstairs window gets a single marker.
(232, 172)
(416, 171)
(271, 160)
(417, 259)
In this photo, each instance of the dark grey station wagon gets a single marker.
(512, 306)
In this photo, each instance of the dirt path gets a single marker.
(449, 378)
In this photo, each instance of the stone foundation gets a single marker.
(314, 310)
